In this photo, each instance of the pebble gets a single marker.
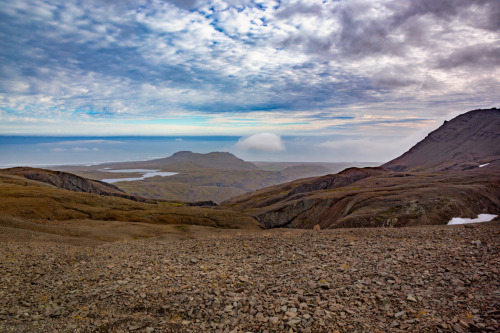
(411, 298)
(399, 314)
(419, 279)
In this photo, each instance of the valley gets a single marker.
(213, 177)
(79, 254)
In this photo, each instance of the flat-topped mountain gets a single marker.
(465, 142)
(189, 161)
(454, 172)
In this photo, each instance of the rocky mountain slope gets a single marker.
(464, 142)
(432, 192)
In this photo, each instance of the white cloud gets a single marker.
(96, 62)
(262, 142)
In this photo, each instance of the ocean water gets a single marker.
(45, 151)
(42, 151)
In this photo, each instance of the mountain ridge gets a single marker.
(464, 142)
(409, 190)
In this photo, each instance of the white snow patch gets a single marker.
(482, 165)
(479, 218)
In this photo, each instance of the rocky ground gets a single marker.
(421, 279)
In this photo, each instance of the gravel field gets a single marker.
(421, 279)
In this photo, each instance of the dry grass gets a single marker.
(37, 207)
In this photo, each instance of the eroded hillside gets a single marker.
(455, 171)
(37, 207)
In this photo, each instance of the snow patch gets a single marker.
(482, 165)
(479, 218)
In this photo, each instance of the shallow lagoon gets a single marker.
(145, 174)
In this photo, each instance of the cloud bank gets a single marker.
(266, 142)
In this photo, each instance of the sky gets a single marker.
(354, 79)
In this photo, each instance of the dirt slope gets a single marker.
(68, 181)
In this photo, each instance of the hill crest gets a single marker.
(465, 142)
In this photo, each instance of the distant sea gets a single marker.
(45, 151)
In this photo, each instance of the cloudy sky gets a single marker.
(350, 71)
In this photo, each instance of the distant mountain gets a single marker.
(454, 172)
(300, 171)
(189, 161)
(464, 142)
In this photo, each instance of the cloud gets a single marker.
(96, 61)
(483, 55)
(267, 142)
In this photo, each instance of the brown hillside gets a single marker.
(40, 208)
(464, 142)
(68, 181)
(387, 199)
